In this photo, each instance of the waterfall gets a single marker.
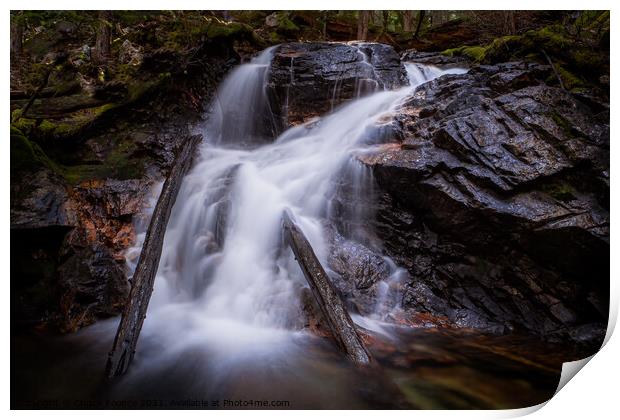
(239, 112)
(224, 275)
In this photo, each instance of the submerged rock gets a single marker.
(357, 272)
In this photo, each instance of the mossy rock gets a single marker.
(27, 156)
(579, 66)
(475, 53)
(561, 191)
(217, 30)
(120, 163)
(281, 23)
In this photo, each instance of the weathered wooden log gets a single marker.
(124, 346)
(51, 108)
(338, 318)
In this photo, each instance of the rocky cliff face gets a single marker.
(497, 202)
(309, 79)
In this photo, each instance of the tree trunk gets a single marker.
(104, 37)
(421, 15)
(407, 20)
(124, 346)
(386, 20)
(510, 27)
(362, 25)
(17, 35)
(325, 19)
(331, 305)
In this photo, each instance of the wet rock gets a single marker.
(67, 250)
(40, 201)
(497, 201)
(434, 59)
(357, 272)
(106, 208)
(91, 283)
(309, 79)
(130, 54)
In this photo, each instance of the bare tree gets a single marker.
(104, 37)
(510, 26)
(408, 20)
(362, 25)
(421, 15)
(17, 34)
(386, 19)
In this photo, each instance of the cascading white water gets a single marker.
(224, 274)
(239, 112)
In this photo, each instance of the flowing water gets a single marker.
(223, 259)
(225, 321)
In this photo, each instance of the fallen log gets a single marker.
(338, 318)
(58, 107)
(124, 346)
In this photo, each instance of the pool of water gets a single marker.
(416, 368)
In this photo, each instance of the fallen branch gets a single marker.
(554, 69)
(36, 93)
(331, 305)
(124, 346)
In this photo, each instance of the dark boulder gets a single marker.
(39, 201)
(498, 202)
(309, 79)
(434, 59)
(91, 283)
(67, 249)
(357, 272)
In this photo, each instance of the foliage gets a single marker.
(575, 50)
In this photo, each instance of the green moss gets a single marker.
(551, 38)
(570, 80)
(118, 167)
(139, 88)
(502, 49)
(49, 128)
(285, 24)
(275, 37)
(225, 30)
(125, 72)
(578, 64)
(475, 53)
(565, 125)
(561, 191)
(16, 115)
(27, 155)
(587, 61)
(119, 164)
